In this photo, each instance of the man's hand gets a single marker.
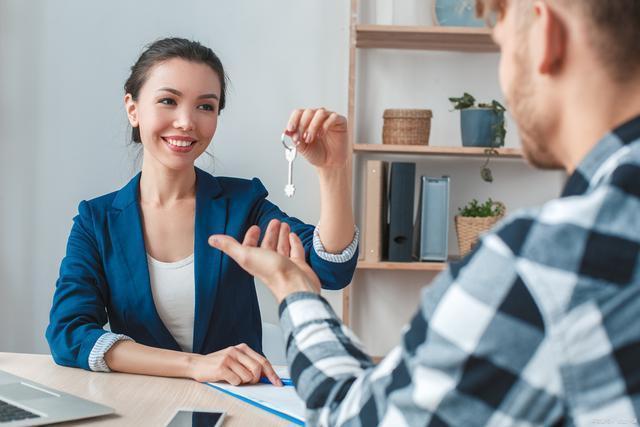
(279, 261)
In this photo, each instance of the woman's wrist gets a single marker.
(190, 365)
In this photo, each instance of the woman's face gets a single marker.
(176, 112)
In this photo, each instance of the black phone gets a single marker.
(196, 418)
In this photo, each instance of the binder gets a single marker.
(401, 205)
(432, 222)
(375, 209)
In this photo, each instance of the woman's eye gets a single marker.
(207, 107)
(167, 101)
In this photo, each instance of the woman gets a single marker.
(138, 257)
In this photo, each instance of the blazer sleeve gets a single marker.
(78, 313)
(333, 275)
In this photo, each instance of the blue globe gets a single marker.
(457, 13)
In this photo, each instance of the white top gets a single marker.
(173, 286)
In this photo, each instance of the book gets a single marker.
(375, 209)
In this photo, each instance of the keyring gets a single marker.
(283, 138)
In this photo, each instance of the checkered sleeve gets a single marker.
(476, 343)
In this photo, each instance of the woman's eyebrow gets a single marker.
(178, 93)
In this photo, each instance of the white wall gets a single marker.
(63, 131)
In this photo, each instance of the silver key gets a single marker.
(290, 154)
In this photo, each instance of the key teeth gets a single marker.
(289, 190)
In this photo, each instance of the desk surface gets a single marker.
(138, 400)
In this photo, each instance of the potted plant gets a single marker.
(481, 126)
(475, 218)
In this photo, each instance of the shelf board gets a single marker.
(511, 153)
(407, 266)
(457, 39)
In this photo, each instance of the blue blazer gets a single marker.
(104, 275)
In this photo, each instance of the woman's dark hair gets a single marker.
(163, 50)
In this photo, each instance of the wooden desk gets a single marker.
(138, 400)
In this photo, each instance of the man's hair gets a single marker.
(615, 28)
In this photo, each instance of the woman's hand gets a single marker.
(279, 261)
(236, 365)
(321, 137)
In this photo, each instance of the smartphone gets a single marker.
(196, 418)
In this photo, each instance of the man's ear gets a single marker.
(132, 110)
(551, 38)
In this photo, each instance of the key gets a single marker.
(290, 155)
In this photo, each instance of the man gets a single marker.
(540, 325)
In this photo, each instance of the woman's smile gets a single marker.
(179, 144)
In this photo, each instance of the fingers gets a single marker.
(270, 238)
(297, 250)
(305, 125)
(315, 127)
(240, 365)
(258, 363)
(305, 120)
(252, 236)
(226, 244)
(238, 371)
(294, 118)
(283, 246)
(334, 121)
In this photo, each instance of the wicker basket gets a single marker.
(406, 127)
(469, 228)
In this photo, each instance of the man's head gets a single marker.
(554, 52)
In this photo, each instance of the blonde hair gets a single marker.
(615, 24)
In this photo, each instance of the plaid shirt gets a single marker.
(540, 325)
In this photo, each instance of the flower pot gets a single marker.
(478, 127)
(469, 228)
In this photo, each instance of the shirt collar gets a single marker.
(583, 177)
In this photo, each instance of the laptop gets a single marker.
(25, 403)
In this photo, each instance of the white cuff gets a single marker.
(100, 348)
(343, 256)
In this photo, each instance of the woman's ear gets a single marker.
(132, 110)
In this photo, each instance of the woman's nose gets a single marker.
(184, 121)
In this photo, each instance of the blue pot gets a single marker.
(478, 127)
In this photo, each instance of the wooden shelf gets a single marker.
(399, 266)
(511, 153)
(457, 39)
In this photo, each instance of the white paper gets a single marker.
(282, 399)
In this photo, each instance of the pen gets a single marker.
(285, 381)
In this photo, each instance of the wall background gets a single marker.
(63, 130)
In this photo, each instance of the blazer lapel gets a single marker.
(126, 225)
(211, 218)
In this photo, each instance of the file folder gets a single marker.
(432, 222)
(401, 206)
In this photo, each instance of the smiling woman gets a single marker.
(139, 257)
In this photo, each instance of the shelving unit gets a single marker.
(503, 153)
(403, 266)
(424, 38)
(450, 39)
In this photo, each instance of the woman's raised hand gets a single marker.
(321, 137)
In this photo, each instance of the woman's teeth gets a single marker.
(179, 143)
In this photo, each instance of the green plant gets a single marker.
(468, 101)
(499, 129)
(477, 209)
